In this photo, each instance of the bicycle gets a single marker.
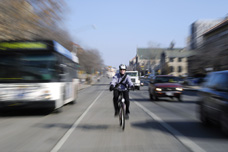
(122, 109)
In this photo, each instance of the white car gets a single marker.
(134, 78)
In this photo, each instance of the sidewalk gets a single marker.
(84, 85)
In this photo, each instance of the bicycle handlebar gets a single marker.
(116, 88)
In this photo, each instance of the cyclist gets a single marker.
(123, 85)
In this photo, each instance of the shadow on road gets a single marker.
(24, 112)
(54, 125)
(68, 126)
(185, 102)
(140, 100)
(93, 127)
(187, 128)
(162, 100)
(190, 93)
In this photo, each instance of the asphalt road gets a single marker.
(89, 125)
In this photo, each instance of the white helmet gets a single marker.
(122, 67)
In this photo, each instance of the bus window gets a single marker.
(27, 68)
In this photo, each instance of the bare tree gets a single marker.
(172, 44)
(152, 44)
(33, 19)
(90, 61)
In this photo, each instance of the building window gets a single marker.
(171, 59)
(171, 68)
(179, 69)
(179, 59)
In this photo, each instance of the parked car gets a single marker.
(181, 80)
(189, 81)
(213, 103)
(151, 76)
(193, 81)
(134, 78)
(165, 86)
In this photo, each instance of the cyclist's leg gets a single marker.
(127, 102)
(115, 101)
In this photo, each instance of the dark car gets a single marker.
(165, 86)
(213, 103)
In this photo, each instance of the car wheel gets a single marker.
(156, 98)
(138, 88)
(224, 124)
(58, 110)
(180, 98)
(151, 96)
(203, 116)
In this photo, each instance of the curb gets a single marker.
(83, 86)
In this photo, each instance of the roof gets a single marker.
(178, 53)
(149, 53)
(133, 58)
(217, 26)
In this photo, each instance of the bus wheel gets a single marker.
(59, 110)
(74, 101)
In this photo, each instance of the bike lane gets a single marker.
(98, 130)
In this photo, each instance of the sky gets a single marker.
(116, 28)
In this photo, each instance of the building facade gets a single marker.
(176, 62)
(148, 59)
(197, 30)
(162, 61)
(212, 55)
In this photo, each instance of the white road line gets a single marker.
(184, 140)
(69, 132)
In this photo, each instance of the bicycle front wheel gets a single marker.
(122, 117)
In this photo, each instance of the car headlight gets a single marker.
(158, 89)
(179, 89)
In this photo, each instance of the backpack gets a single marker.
(121, 82)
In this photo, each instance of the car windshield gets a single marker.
(27, 68)
(166, 80)
(132, 74)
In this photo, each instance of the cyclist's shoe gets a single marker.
(126, 116)
(127, 111)
(115, 114)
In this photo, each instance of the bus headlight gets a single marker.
(179, 89)
(45, 95)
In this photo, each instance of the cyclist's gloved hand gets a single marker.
(111, 87)
(133, 88)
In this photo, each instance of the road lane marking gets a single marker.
(73, 127)
(184, 140)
